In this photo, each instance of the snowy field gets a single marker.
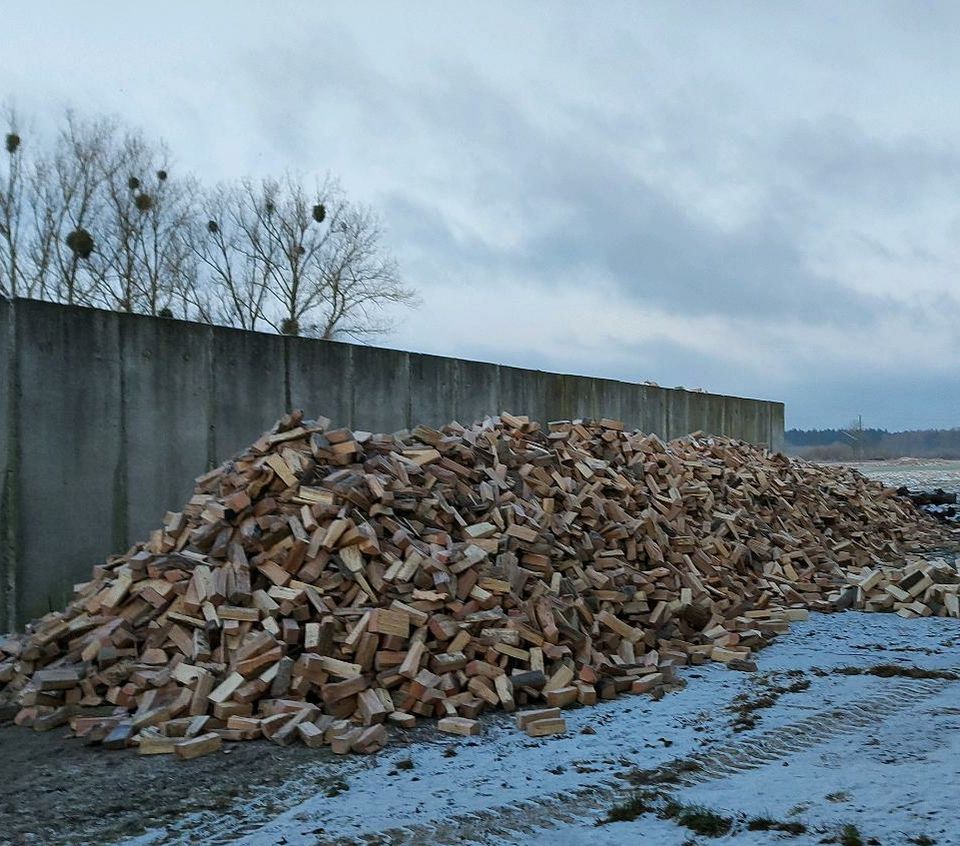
(918, 474)
(880, 754)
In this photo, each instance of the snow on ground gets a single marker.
(879, 753)
(918, 474)
(897, 780)
(894, 772)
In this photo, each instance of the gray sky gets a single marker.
(755, 198)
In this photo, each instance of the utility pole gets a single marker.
(855, 433)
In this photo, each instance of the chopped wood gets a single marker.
(197, 746)
(525, 717)
(311, 735)
(561, 697)
(541, 728)
(459, 725)
(370, 740)
(154, 743)
(647, 683)
(324, 585)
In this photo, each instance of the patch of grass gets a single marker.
(684, 766)
(697, 818)
(889, 671)
(635, 806)
(404, 764)
(704, 821)
(336, 787)
(669, 773)
(745, 705)
(794, 828)
(850, 836)
(922, 840)
(768, 824)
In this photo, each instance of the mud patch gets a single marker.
(890, 671)
(58, 792)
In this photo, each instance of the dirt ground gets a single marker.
(56, 791)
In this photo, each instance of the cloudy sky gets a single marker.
(756, 198)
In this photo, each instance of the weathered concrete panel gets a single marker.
(750, 423)
(763, 424)
(611, 398)
(653, 412)
(734, 416)
(631, 404)
(72, 481)
(697, 412)
(571, 398)
(526, 392)
(678, 414)
(381, 389)
(8, 497)
(166, 369)
(319, 374)
(433, 389)
(477, 392)
(777, 411)
(713, 414)
(249, 390)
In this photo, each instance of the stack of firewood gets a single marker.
(326, 583)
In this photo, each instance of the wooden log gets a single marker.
(195, 747)
(459, 725)
(562, 697)
(542, 728)
(525, 717)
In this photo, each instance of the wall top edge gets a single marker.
(79, 311)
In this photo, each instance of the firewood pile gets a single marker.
(325, 584)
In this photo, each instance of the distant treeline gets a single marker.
(851, 444)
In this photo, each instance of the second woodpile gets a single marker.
(326, 583)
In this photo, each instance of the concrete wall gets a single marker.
(105, 420)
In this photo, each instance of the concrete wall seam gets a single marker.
(9, 466)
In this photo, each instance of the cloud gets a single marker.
(748, 200)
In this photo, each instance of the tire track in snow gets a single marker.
(518, 819)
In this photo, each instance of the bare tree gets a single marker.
(12, 283)
(108, 223)
(102, 218)
(316, 259)
(235, 282)
(146, 260)
(67, 213)
(359, 280)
